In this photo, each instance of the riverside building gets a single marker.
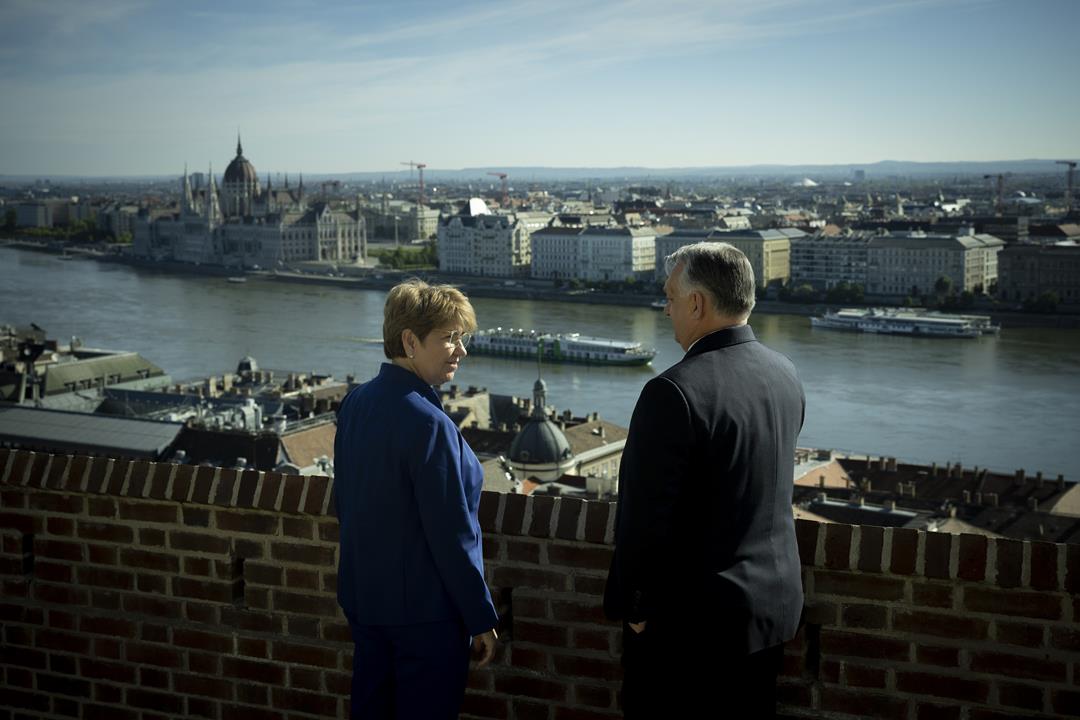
(242, 224)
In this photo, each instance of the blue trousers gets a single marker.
(402, 672)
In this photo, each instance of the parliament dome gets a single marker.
(240, 170)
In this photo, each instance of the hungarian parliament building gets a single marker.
(243, 224)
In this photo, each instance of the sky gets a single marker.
(143, 87)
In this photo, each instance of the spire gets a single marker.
(186, 200)
(239, 149)
(286, 181)
(539, 387)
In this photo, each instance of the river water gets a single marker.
(1003, 402)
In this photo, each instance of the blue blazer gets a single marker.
(407, 490)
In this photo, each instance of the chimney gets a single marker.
(1019, 478)
(992, 499)
(933, 470)
(967, 497)
(821, 481)
(1061, 483)
(892, 465)
(1032, 503)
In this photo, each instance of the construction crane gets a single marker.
(502, 176)
(999, 194)
(420, 167)
(1068, 183)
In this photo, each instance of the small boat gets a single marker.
(237, 279)
(559, 347)
(658, 304)
(905, 321)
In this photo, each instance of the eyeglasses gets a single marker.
(456, 336)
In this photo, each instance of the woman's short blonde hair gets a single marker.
(415, 305)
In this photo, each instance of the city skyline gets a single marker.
(137, 88)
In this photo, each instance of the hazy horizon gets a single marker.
(132, 88)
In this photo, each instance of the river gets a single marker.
(1002, 402)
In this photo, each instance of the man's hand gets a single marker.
(638, 627)
(485, 646)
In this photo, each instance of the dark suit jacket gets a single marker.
(407, 490)
(704, 534)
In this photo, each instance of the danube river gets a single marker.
(1005, 403)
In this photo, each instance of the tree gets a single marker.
(942, 286)
(10, 219)
(1045, 303)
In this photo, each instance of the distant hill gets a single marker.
(882, 169)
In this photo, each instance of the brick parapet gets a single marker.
(145, 589)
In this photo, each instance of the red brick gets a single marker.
(926, 711)
(263, 574)
(204, 686)
(540, 633)
(320, 555)
(489, 510)
(270, 673)
(593, 696)
(569, 512)
(152, 537)
(252, 694)
(838, 546)
(57, 685)
(305, 603)
(300, 627)
(330, 531)
(513, 514)
(305, 679)
(183, 482)
(940, 625)
(290, 496)
(47, 571)
(867, 617)
(542, 508)
(1065, 702)
(863, 704)
(249, 482)
(1013, 602)
(318, 486)
(226, 487)
(596, 520)
(575, 666)
(1019, 666)
(933, 594)
(269, 492)
(201, 708)
(115, 627)
(95, 669)
(153, 632)
(578, 612)
(303, 528)
(592, 639)
(57, 503)
(1044, 566)
(151, 700)
(941, 656)
(336, 632)
(1027, 697)
(202, 589)
(151, 654)
(532, 687)
(196, 517)
(936, 555)
(588, 585)
(207, 641)
(158, 607)
(162, 562)
(943, 686)
(304, 655)
(1023, 634)
(247, 522)
(1010, 562)
(525, 551)
(861, 586)
(972, 561)
(198, 542)
(905, 544)
(205, 663)
(106, 532)
(485, 706)
(148, 512)
(308, 703)
(571, 713)
(864, 676)
(530, 578)
(57, 469)
(837, 643)
(59, 526)
(590, 558)
(104, 577)
(1072, 569)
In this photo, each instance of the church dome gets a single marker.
(240, 170)
(540, 442)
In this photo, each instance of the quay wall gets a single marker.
(136, 590)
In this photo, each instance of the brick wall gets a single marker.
(142, 590)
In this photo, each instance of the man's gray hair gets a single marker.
(719, 270)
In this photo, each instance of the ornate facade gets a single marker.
(242, 224)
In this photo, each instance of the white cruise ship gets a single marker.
(559, 347)
(903, 321)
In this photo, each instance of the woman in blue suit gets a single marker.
(407, 489)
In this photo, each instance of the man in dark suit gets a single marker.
(706, 573)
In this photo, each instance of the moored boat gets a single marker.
(559, 347)
(906, 321)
